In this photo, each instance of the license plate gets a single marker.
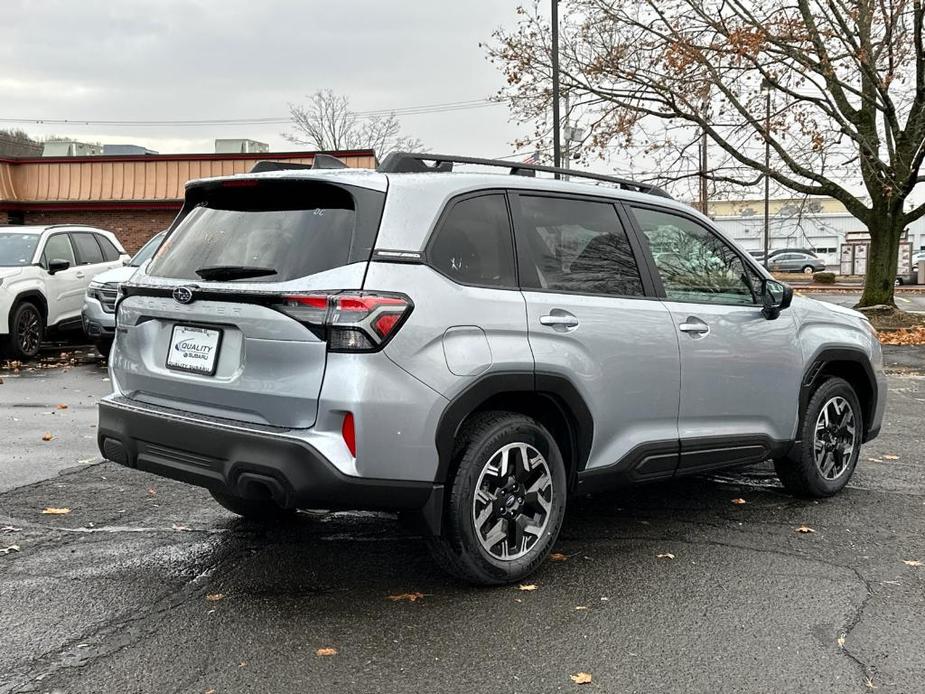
(194, 349)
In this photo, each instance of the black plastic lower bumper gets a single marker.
(246, 463)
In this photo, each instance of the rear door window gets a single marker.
(282, 230)
(577, 246)
(88, 250)
(473, 244)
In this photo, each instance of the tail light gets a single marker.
(348, 431)
(349, 321)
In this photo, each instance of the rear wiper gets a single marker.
(233, 272)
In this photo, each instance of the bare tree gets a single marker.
(846, 80)
(326, 122)
(17, 143)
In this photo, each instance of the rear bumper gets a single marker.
(245, 463)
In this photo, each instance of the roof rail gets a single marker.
(319, 161)
(408, 162)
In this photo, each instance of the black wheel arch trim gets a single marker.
(833, 355)
(558, 389)
(33, 296)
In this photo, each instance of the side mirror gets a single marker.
(126, 261)
(775, 297)
(57, 265)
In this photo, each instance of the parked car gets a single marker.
(795, 262)
(44, 272)
(778, 251)
(470, 349)
(98, 314)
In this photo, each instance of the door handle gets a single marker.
(79, 275)
(558, 318)
(694, 326)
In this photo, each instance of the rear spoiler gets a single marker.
(319, 161)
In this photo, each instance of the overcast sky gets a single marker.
(207, 59)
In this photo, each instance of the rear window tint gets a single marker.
(295, 228)
(474, 245)
(109, 251)
(88, 250)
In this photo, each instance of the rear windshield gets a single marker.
(279, 230)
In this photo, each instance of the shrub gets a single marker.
(824, 277)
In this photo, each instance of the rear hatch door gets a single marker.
(200, 330)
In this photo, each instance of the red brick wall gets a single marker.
(131, 227)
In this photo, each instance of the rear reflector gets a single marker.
(349, 321)
(349, 433)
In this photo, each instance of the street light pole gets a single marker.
(556, 132)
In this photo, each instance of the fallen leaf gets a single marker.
(912, 562)
(840, 641)
(326, 651)
(406, 597)
(869, 683)
(666, 555)
(52, 511)
(86, 461)
(9, 529)
(581, 678)
(181, 528)
(581, 607)
(874, 460)
(60, 406)
(209, 691)
(904, 336)
(214, 597)
(152, 491)
(890, 457)
(527, 586)
(11, 548)
(47, 436)
(558, 556)
(805, 529)
(739, 502)
(243, 663)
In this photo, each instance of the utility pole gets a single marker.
(767, 165)
(703, 171)
(556, 131)
(567, 142)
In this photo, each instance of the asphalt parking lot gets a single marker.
(148, 586)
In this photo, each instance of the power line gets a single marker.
(267, 120)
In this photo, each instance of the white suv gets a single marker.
(44, 273)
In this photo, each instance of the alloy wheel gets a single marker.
(513, 500)
(835, 438)
(29, 332)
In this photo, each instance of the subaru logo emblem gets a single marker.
(183, 295)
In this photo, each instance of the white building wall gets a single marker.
(823, 232)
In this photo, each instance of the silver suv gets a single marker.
(471, 349)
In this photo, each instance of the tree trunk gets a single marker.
(882, 259)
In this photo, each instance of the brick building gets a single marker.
(132, 196)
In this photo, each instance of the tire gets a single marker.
(808, 269)
(526, 523)
(103, 346)
(259, 510)
(799, 472)
(27, 331)
(898, 282)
